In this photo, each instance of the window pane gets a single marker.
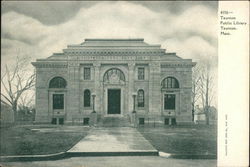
(87, 75)
(140, 98)
(169, 102)
(170, 82)
(58, 101)
(57, 82)
(87, 98)
(140, 73)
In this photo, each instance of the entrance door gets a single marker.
(114, 101)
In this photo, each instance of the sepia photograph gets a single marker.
(112, 83)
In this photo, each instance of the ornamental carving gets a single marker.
(114, 76)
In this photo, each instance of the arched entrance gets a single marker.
(114, 85)
(57, 96)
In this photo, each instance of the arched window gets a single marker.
(86, 98)
(140, 98)
(114, 75)
(170, 82)
(57, 82)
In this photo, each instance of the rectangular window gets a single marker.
(61, 121)
(85, 121)
(140, 98)
(173, 121)
(169, 102)
(58, 101)
(86, 73)
(53, 121)
(166, 121)
(141, 73)
(141, 121)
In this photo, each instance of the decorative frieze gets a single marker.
(131, 57)
(177, 64)
(49, 65)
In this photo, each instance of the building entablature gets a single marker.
(178, 64)
(115, 51)
(43, 64)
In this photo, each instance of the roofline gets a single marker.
(115, 39)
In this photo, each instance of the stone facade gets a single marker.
(159, 82)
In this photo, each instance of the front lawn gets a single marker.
(32, 140)
(195, 140)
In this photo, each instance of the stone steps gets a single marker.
(119, 121)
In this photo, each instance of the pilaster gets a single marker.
(131, 77)
(154, 88)
(73, 98)
(98, 85)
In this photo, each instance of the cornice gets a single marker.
(49, 65)
(177, 64)
(113, 51)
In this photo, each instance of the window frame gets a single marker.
(170, 83)
(61, 107)
(141, 77)
(57, 83)
(85, 76)
(171, 106)
(86, 97)
(141, 104)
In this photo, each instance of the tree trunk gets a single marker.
(14, 109)
(207, 116)
(207, 119)
(193, 112)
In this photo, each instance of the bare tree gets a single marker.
(27, 99)
(206, 89)
(196, 81)
(16, 80)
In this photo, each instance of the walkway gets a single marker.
(113, 142)
(122, 161)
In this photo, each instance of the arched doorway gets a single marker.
(170, 88)
(57, 93)
(114, 83)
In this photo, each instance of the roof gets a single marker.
(102, 47)
(130, 42)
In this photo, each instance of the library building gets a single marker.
(114, 82)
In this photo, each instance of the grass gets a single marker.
(196, 140)
(22, 140)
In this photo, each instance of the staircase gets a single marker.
(119, 121)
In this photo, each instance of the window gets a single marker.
(170, 82)
(85, 121)
(166, 121)
(173, 121)
(87, 73)
(61, 121)
(141, 121)
(140, 98)
(86, 98)
(53, 121)
(141, 73)
(169, 102)
(58, 101)
(57, 82)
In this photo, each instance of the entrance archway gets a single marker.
(114, 85)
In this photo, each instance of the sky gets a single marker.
(38, 29)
